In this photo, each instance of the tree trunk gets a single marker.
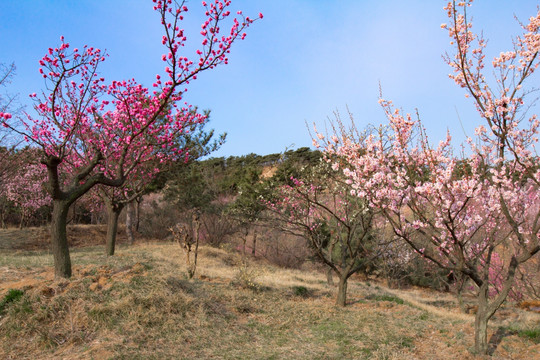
(245, 233)
(62, 201)
(112, 228)
(196, 225)
(254, 243)
(460, 288)
(190, 268)
(129, 222)
(481, 322)
(486, 310)
(342, 291)
(138, 213)
(329, 278)
(59, 243)
(22, 219)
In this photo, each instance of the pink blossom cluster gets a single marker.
(497, 274)
(307, 204)
(215, 45)
(5, 116)
(25, 189)
(499, 105)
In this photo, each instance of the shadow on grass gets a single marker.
(497, 337)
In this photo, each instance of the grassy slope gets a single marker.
(138, 305)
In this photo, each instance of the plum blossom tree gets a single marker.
(477, 215)
(25, 191)
(195, 142)
(91, 133)
(337, 226)
(157, 148)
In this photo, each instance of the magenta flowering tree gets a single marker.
(144, 155)
(194, 143)
(337, 226)
(476, 215)
(25, 190)
(92, 133)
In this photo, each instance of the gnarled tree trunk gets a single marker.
(59, 243)
(481, 322)
(342, 290)
(486, 309)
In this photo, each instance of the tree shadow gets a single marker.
(496, 339)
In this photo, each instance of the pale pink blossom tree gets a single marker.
(25, 190)
(478, 214)
(91, 133)
(338, 227)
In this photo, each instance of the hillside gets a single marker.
(138, 305)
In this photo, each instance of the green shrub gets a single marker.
(385, 298)
(11, 296)
(531, 334)
(301, 291)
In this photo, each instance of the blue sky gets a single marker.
(303, 61)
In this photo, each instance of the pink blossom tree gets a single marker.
(195, 142)
(476, 215)
(20, 183)
(338, 227)
(91, 133)
(158, 147)
(25, 191)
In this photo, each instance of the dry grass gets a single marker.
(139, 305)
(37, 238)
